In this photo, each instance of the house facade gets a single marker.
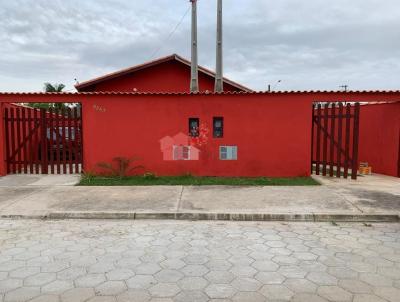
(146, 112)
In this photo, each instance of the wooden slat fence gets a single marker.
(335, 133)
(43, 142)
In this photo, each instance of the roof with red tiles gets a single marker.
(209, 92)
(173, 57)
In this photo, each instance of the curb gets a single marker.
(213, 216)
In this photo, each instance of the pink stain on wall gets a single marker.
(177, 147)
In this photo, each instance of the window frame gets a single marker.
(221, 119)
(197, 120)
(230, 153)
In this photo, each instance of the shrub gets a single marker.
(122, 167)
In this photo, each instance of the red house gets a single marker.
(147, 111)
(168, 74)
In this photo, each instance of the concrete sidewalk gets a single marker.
(370, 198)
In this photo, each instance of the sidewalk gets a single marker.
(371, 198)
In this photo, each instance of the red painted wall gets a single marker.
(380, 137)
(272, 133)
(170, 76)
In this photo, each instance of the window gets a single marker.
(218, 127)
(228, 152)
(181, 152)
(194, 127)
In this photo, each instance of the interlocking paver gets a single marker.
(77, 295)
(367, 298)
(334, 293)
(120, 274)
(57, 287)
(9, 284)
(168, 276)
(195, 270)
(22, 294)
(141, 281)
(277, 292)
(90, 280)
(165, 261)
(376, 279)
(134, 295)
(243, 271)
(110, 288)
(192, 283)
(342, 272)
(265, 266)
(355, 286)
(40, 279)
(322, 278)
(304, 297)
(147, 269)
(220, 277)
(389, 293)
(192, 296)
(164, 290)
(46, 298)
(301, 285)
(220, 291)
(246, 284)
(270, 278)
(248, 297)
(71, 273)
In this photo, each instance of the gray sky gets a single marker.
(312, 44)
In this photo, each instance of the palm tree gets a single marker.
(48, 87)
(55, 88)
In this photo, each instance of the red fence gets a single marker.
(41, 142)
(335, 135)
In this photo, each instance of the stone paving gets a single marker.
(104, 260)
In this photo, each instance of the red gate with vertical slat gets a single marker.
(331, 130)
(42, 142)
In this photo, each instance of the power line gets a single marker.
(171, 33)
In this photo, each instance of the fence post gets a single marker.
(354, 167)
(43, 131)
(312, 138)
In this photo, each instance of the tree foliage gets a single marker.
(54, 88)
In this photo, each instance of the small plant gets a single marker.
(87, 177)
(149, 175)
(334, 223)
(122, 168)
(367, 224)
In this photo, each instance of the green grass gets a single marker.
(89, 180)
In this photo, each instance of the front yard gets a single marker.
(188, 180)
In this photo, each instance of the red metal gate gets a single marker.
(43, 142)
(335, 133)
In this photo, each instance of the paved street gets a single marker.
(104, 260)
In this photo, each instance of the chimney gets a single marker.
(194, 80)
(219, 81)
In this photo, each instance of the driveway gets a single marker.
(40, 195)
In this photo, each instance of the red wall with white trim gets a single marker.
(272, 131)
